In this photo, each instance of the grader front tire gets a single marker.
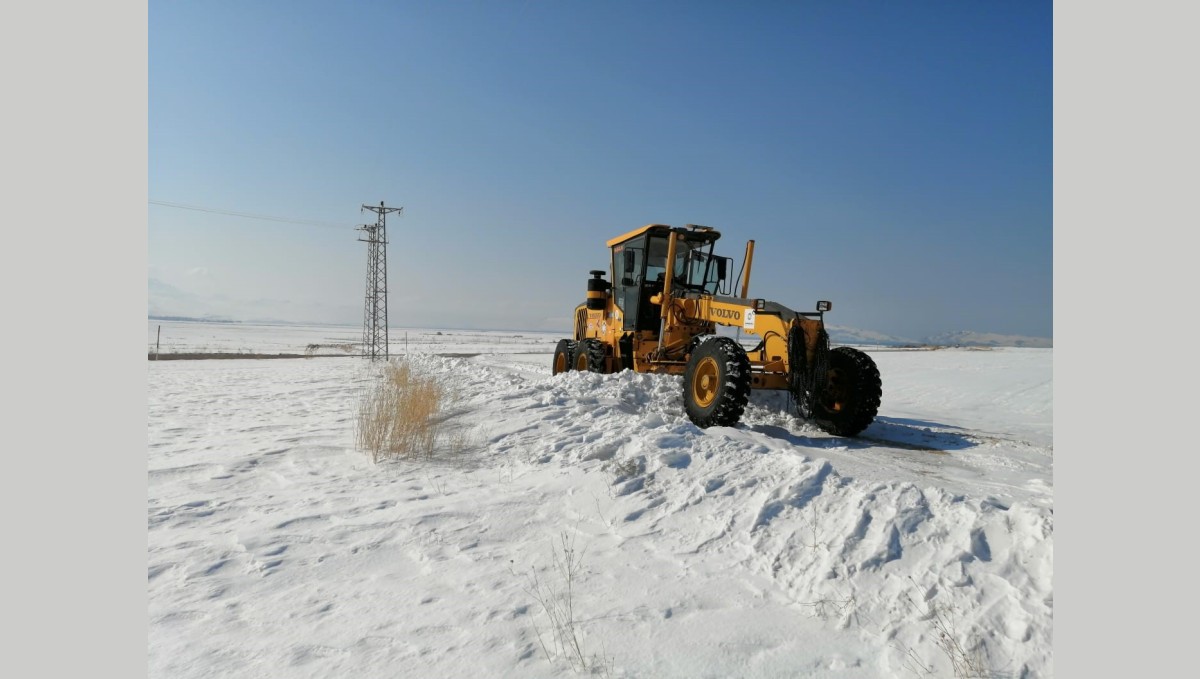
(589, 356)
(849, 399)
(563, 354)
(716, 383)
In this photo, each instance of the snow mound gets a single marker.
(766, 549)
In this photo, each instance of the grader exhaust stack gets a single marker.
(660, 313)
(746, 264)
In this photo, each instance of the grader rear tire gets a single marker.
(849, 399)
(716, 384)
(588, 356)
(563, 353)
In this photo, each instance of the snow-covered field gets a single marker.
(178, 337)
(922, 548)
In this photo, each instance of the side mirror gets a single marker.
(627, 281)
(722, 263)
(824, 306)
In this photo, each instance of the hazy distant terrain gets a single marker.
(191, 326)
(843, 335)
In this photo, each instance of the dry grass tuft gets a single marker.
(563, 640)
(399, 416)
(967, 652)
(345, 347)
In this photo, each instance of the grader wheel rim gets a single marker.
(560, 363)
(835, 391)
(581, 361)
(705, 382)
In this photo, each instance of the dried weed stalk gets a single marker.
(398, 417)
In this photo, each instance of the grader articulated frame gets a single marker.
(660, 313)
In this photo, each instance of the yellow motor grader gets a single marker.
(660, 313)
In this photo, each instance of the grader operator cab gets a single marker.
(660, 312)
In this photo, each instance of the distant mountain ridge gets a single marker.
(842, 335)
(983, 339)
(965, 338)
(193, 319)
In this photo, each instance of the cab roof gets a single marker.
(711, 233)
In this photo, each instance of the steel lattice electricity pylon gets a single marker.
(375, 319)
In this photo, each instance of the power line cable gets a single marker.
(269, 218)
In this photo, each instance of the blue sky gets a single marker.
(895, 158)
